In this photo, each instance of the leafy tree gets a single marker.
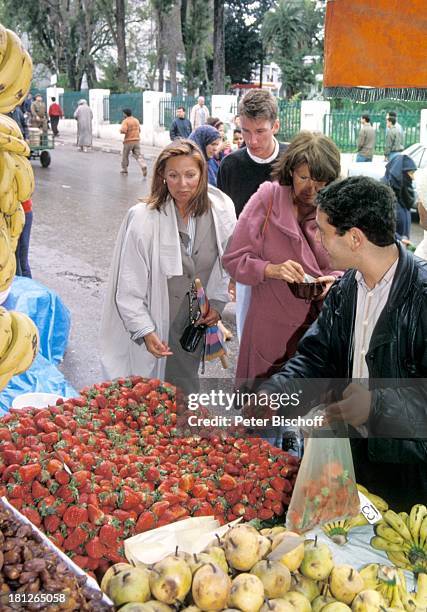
(219, 48)
(292, 31)
(196, 27)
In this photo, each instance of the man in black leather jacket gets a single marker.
(356, 223)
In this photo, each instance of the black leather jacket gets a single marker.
(398, 350)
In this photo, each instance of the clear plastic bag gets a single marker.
(325, 488)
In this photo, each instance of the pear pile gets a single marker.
(18, 334)
(271, 570)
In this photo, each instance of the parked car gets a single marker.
(376, 169)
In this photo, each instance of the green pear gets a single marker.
(298, 600)
(368, 600)
(317, 563)
(135, 607)
(112, 571)
(170, 580)
(275, 577)
(191, 609)
(149, 606)
(247, 593)
(129, 585)
(336, 606)
(320, 602)
(290, 549)
(211, 588)
(345, 583)
(264, 546)
(218, 557)
(306, 586)
(241, 547)
(277, 605)
(198, 560)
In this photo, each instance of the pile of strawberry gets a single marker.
(109, 464)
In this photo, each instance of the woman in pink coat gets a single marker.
(275, 243)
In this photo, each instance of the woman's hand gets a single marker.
(328, 281)
(290, 271)
(156, 347)
(210, 319)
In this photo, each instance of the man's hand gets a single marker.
(354, 408)
(328, 282)
(212, 317)
(232, 290)
(156, 347)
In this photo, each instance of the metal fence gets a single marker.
(69, 101)
(290, 120)
(344, 128)
(115, 103)
(168, 106)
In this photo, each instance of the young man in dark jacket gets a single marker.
(371, 334)
(181, 127)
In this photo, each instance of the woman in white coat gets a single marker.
(177, 234)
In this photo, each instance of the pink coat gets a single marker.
(276, 320)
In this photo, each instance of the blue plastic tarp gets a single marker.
(53, 321)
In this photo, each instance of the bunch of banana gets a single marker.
(338, 530)
(404, 538)
(390, 582)
(19, 344)
(16, 69)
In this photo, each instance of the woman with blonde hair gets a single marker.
(421, 183)
(178, 233)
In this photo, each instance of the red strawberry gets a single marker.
(146, 521)
(51, 523)
(227, 482)
(95, 548)
(74, 516)
(32, 515)
(95, 514)
(109, 535)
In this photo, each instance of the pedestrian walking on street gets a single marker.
(177, 234)
(393, 140)
(131, 128)
(199, 113)
(83, 114)
(18, 115)
(181, 126)
(399, 175)
(208, 139)
(39, 114)
(55, 114)
(366, 140)
(23, 246)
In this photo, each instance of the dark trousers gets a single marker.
(54, 125)
(22, 264)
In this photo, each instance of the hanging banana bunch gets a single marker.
(19, 340)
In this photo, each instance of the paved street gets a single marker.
(79, 203)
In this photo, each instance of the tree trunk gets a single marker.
(122, 68)
(218, 48)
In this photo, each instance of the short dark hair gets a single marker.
(392, 120)
(127, 112)
(237, 131)
(316, 150)
(181, 108)
(392, 114)
(366, 118)
(214, 121)
(259, 104)
(362, 202)
(53, 99)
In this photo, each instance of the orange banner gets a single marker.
(380, 44)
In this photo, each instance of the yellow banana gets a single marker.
(24, 177)
(399, 559)
(369, 574)
(421, 596)
(14, 145)
(9, 201)
(12, 62)
(23, 347)
(3, 42)
(16, 222)
(9, 126)
(15, 94)
(4, 380)
(405, 518)
(357, 521)
(8, 273)
(382, 544)
(5, 330)
(416, 516)
(7, 172)
(395, 521)
(378, 502)
(422, 534)
(5, 248)
(386, 532)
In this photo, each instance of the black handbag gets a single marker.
(192, 334)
